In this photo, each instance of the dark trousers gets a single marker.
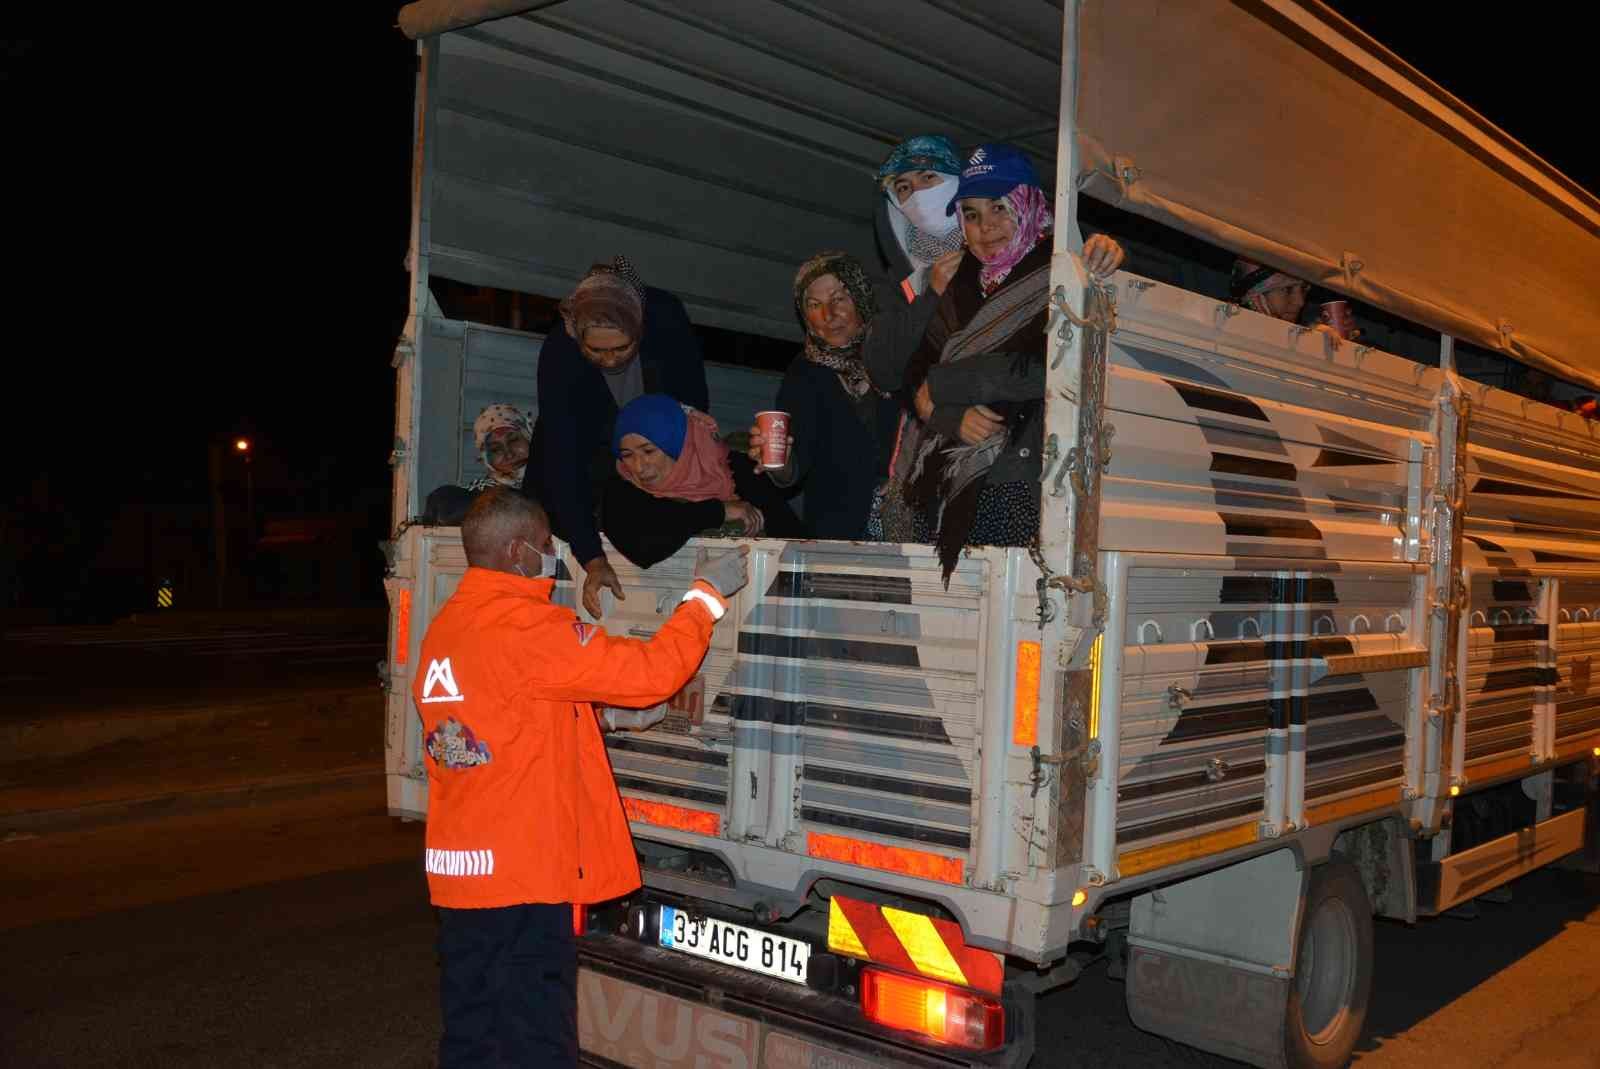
(508, 987)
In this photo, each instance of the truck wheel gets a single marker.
(1333, 970)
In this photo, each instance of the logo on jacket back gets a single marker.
(453, 745)
(441, 676)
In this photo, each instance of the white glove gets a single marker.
(634, 719)
(727, 570)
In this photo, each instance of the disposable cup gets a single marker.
(1338, 316)
(774, 428)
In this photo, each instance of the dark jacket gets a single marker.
(1003, 381)
(897, 329)
(841, 447)
(648, 529)
(572, 440)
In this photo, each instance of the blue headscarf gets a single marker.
(925, 152)
(656, 417)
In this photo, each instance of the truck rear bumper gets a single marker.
(1489, 865)
(649, 1008)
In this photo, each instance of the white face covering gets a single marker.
(548, 564)
(926, 207)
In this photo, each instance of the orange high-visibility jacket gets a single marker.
(522, 807)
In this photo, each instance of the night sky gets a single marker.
(208, 223)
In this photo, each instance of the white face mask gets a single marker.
(549, 564)
(926, 207)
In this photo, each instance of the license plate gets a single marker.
(734, 944)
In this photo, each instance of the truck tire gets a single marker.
(1333, 970)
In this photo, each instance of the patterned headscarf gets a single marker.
(925, 152)
(1251, 283)
(491, 419)
(844, 359)
(621, 265)
(1031, 209)
(610, 295)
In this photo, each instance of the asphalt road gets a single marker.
(295, 932)
(153, 661)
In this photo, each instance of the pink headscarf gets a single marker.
(700, 472)
(1031, 209)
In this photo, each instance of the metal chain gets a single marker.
(1100, 320)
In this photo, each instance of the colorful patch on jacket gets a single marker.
(585, 631)
(453, 745)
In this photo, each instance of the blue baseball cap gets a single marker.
(993, 170)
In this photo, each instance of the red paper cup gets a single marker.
(774, 428)
(1337, 315)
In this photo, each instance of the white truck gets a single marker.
(1309, 640)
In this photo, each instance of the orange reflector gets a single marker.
(901, 859)
(672, 816)
(402, 627)
(1025, 719)
(942, 1014)
(580, 918)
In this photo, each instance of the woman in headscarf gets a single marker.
(977, 380)
(1268, 290)
(841, 427)
(920, 245)
(675, 479)
(621, 339)
(503, 435)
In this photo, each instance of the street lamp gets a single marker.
(241, 447)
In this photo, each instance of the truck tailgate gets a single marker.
(646, 1008)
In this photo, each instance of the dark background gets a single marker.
(207, 223)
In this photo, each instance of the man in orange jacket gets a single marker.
(523, 815)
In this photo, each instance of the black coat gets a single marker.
(896, 330)
(839, 456)
(1010, 382)
(647, 529)
(572, 440)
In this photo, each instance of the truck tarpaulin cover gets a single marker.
(1280, 131)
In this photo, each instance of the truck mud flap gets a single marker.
(1208, 1004)
(1208, 957)
(647, 1008)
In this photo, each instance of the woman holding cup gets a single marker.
(839, 430)
(675, 479)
